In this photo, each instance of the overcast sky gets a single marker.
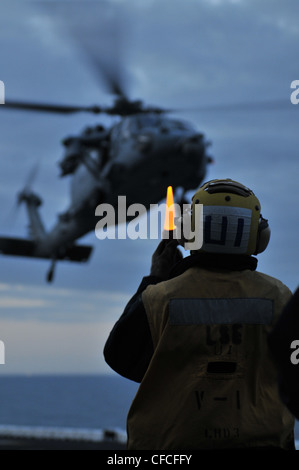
(177, 54)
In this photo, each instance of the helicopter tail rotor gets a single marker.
(27, 189)
(32, 202)
(23, 195)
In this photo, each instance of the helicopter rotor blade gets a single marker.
(245, 106)
(105, 56)
(12, 215)
(112, 77)
(51, 108)
(125, 107)
(121, 107)
(31, 177)
(100, 44)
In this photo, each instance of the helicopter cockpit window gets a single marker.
(172, 124)
(148, 121)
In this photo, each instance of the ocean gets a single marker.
(89, 402)
(99, 402)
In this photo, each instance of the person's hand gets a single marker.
(164, 258)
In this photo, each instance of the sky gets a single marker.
(175, 54)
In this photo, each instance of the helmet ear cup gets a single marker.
(263, 235)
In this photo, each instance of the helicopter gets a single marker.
(137, 157)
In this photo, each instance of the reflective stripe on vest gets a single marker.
(220, 311)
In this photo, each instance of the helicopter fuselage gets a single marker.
(147, 153)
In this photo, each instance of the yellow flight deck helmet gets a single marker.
(232, 220)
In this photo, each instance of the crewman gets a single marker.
(195, 336)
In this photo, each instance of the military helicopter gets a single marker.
(138, 157)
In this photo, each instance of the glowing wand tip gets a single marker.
(170, 211)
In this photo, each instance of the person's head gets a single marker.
(232, 220)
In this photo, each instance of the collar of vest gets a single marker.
(215, 261)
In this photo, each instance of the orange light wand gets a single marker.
(169, 225)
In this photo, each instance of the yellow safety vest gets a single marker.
(211, 383)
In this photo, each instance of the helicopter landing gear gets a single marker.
(50, 275)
